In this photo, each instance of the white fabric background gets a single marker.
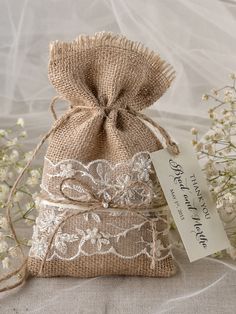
(198, 37)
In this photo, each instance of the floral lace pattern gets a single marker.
(104, 230)
(97, 232)
(127, 183)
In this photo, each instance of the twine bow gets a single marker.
(21, 271)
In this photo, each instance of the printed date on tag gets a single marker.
(190, 202)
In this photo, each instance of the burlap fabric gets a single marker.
(113, 76)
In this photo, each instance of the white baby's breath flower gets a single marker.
(29, 243)
(3, 223)
(3, 246)
(194, 131)
(232, 168)
(229, 115)
(32, 181)
(3, 174)
(217, 189)
(232, 252)
(23, 134)
(13, 160)
(218, 157)
(232, 76)
(14, 156)
(210, 149)
(3, 133)
(29, 206)
(233, 105)
(36, 199)
(35, 173)
(13, 251)
(18, 196)
(228, 150)
(12, 142)
(219, 203)
(227, 99)
(205, 97)
(10, 174)
(5, 157)
(30, 219)
(217, 135)
(19, 168)
(228, 208)
(228, 92)
(178, 244)
(213, 116)
(4, 190)
(211, 113)
(199, 147)
(207, 137)
(210, 169)
(227, 126)
(214, 91)
(28, 156)
(6, 262)
(230, 198)
(20, 122)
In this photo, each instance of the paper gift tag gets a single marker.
(190, 202)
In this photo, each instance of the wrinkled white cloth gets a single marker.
(198, 38)
(205, 286)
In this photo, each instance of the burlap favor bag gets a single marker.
(102, 210)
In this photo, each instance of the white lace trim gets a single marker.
(126, 183)
(97, 232)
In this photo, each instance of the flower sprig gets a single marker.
(13, 159)
(217, 152)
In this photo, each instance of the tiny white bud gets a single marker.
(205, 97)
(199, 147)
(3, 133)
(194, 131)
(3, 246)
(217, 189)
(232, 252)
(35, 173)
(214, 91)
(13, 251)
(232, 76)
(14, 156)
(207, 137)
(23, 134)
(18, 196)
(3, 174)
(20, 122)
(29, 243)
(27, 156)
(6, 262)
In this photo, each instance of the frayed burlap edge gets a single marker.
(59, 49)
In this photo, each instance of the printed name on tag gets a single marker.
(190, 202)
